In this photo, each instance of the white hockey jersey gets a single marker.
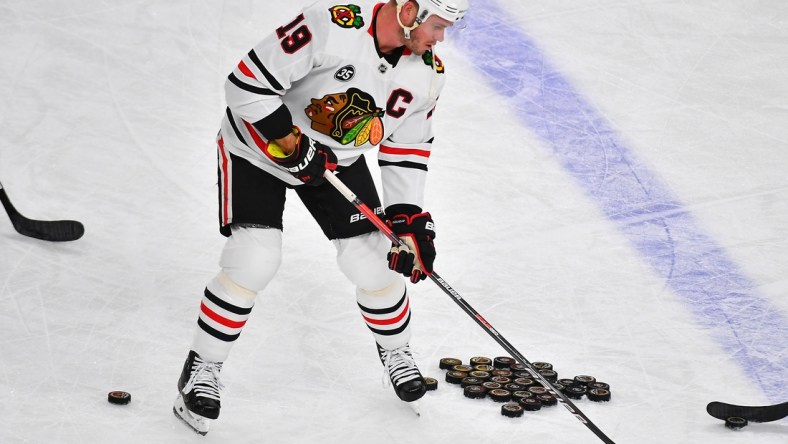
(324, 65)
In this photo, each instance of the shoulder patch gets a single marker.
(428, 60)
(346, 16)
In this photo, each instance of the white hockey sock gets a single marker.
(224, 310)
(387, 314)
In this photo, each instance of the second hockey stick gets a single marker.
(366, 211)
(48, 230)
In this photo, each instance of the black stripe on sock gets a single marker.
(216, 333)
(413, 165)
(226, 305)
(382, 311)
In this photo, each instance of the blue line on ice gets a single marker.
(723, 299)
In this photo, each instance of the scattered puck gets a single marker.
(500, 395)
(514, 387)
(538, 390)
(735, 423)
(470, 380)
(530, 404)
(575, 392)
(559, 387)
(454, 377)
(567, 382)
(462, 368)
(475, 392)
(480, 374)
(489, 385)
(512, 410)
(448, 363)
(549, 374)
(500, 379)
(584, 380)
(481, 360)
(598, 395)
(547, 399)
(430, 383)
(483, 368)
(525, 382)
(503, 362)
(542, 365)
(599, 385)
(516, 396)
(502, 372)
(517, 367)
(119, 397)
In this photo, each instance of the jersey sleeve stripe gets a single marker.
(262, 144)
(231, 119)
(413, 165)
(403, 151)
(245, 70)
(268, 76)
(249, 88)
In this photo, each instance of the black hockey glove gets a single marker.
(307, 162)
(417, 231)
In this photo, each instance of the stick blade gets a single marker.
(50, 230)
(766, 413)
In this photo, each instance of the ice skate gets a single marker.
(404, 375)
(198, 399)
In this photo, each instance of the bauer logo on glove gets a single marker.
(417, 232)
(307, 162)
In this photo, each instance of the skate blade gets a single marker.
(416, 407)
(196, 422)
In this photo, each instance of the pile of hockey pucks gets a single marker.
(506, 381)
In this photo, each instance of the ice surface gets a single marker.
(109, 116)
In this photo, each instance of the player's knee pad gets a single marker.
(252, 256)
(363, 260)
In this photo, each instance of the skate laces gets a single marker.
(398, 366)
(204, 379)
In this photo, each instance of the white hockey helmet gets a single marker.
(451, 10)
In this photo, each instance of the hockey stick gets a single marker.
(366, 211)
(766, 413)
(48, 230)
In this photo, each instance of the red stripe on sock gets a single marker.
(391, 320)
(220, 319)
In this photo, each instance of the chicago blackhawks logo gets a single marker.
(428, 56)
(347, 117)
(346, 16)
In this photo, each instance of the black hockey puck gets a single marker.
(480, 374)
(475, 392)
(483, 368)
(599, 385)
(598, 395)
(584, 380)
(537, 390)
(489, 385)
(430, 383)
(512, 410)
(567, 382)
(454, 377)
(514, 387)
(503, 362)
(530, 404)
(575, 392)
(462, 368)
(448, 363)
(516, 396)
(502, 372)
(525, 382)
(542, 365)
(549, 374)
(517, 367)
(119, 397)
(500, 395)
(480, 360)
(500, 379)
(547, 399)
(736, 423)
(470, 380)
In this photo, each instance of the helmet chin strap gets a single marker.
(406, 29)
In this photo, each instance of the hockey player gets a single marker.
(322, 89)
